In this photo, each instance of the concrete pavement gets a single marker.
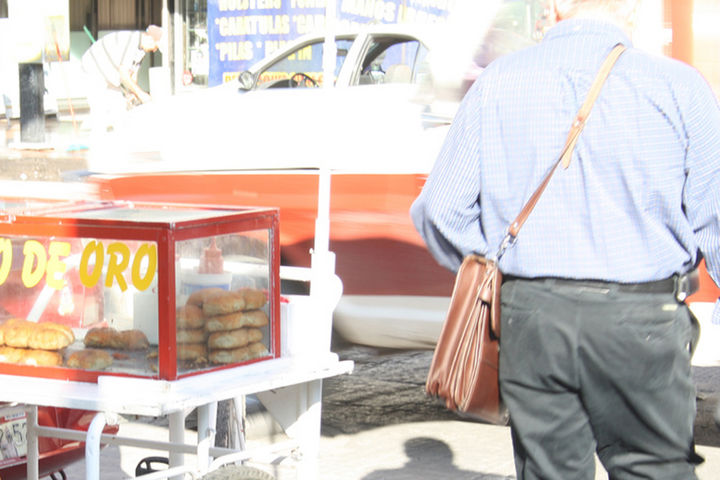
(447, 449)
(420, 450)
(377, 424)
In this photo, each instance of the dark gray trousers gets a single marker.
(586, 370)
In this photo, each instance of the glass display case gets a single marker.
(146, 290)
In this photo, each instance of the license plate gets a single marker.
(13, 434)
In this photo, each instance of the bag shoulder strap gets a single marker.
(567, 151)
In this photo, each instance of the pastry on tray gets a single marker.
(234, 338)
(27, 356)
(20, 333)
(191, 335)
(216, 301)
(189, 316)
(233, 321)
(108, 337)
(192, 351)
(236, 355)
(90, 359)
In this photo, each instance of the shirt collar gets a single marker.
(588, 27)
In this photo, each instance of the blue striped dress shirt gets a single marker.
(641, 198)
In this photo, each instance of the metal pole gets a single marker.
(329, 47)
(178, 44)
(33, 452)
(176, 426)
(323, 260)
(32, 110)
(92, 447)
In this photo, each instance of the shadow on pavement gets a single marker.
(429, 458)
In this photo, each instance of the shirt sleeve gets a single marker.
(447, 211)
(702, 195)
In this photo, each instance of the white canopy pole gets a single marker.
(329, 47)
(323, 260)
(322, 223)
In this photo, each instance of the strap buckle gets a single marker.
(506, 243)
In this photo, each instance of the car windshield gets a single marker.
(305, 59)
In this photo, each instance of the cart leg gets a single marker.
(308, 429)
(176, 425)
(238, 404)
(298, 410)
(207, 417)
(33, 454)
(92, 447)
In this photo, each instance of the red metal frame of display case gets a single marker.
(52, 223)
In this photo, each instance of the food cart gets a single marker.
(156, 310)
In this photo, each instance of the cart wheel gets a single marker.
(238, 472)
(149, 465)
(59, 472)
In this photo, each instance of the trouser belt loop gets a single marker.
(686, 284)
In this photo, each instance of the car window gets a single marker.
(306, 59)
(392, 60)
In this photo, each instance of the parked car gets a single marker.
(378, 131)
(389, 54)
